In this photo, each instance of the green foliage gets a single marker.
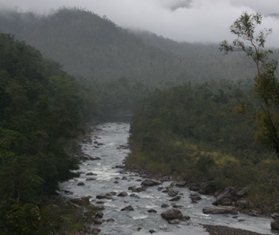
(266, 83)
(204, 132)
(41, 110)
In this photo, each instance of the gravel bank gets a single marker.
(223, 230)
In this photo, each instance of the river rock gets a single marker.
(90, 173)
(207, 188)
(104, 196)
(150, 182)
(127, 208)
(164, 205)
(134, 195)
(122, 194)
(95, 230)
(172, 214)
(110, 220)
(275, 224)
(99, 214)
(96, 221)
(220, 210)
(195, 197)
(83, 201)
(152, 211)
(226, 197)
(172, 193)
(80, 184)
(90, 179)
(95, 158)
(177, 198)
(193, 187)
(180, 184)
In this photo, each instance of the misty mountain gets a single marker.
(93, 47)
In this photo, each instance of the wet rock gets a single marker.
(177, 206)
(172, 193)
(67, 192)
(96, 221)
(193, 187)
(180, 184)
(275, 216)
(254, 212)
(207, 188)
(195, 197)
(150, 182)
(226, 197)
(98, 207)
(91, 179)
(99, 214)
(172, 214)
(124, 178)
(220, 210)
(110, 220)
(83, 201)
(116, 182)
(134, 195)
(104, 196)
(80, 184)
(127, 208)
(165, 205)
(122, 194)
(242, 204)
(95, 158)
(177, 198)
(275, 224)
(152, 231)
(95, 230)
(175, 221)
(152, 211)
(138, 189)
(90, 173)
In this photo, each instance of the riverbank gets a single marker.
(223, 230)
(102, 174)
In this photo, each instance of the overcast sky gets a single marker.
(182, 20)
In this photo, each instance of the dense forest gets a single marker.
(219, 131)
(205, 132)
(195, 112)
(42, 111)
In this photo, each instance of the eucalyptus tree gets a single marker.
(252, 42)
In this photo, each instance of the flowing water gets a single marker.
(108, 142)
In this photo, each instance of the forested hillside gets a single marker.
(203, 133)
(41, 111)
(95, 48)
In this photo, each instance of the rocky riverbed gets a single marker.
(128, 203)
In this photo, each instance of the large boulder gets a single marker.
(207, 188)
(226, 197)
(219, 210)
(172, 214)
(275, 224)
(150, 182)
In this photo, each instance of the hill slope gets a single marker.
(95, 48)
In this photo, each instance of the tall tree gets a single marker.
(266, 84)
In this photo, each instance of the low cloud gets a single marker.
(182, 20)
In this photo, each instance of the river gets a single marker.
(108, 141)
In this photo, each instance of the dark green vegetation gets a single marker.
(208, 131)
(202, 132)
(203, 128)
(41, 111)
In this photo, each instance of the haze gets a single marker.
(182, 20)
